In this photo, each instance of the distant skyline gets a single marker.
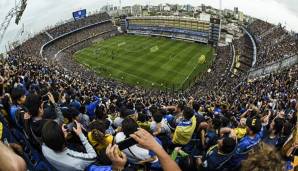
(42, 13)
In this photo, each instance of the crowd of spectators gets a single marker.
(76, 37)
(59, 30)
(259, 27)
(58, 115)
(217, 73)
(274, 43)
(244, 52)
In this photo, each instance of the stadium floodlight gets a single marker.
(220, 19)
(20, 11)
(17, 11)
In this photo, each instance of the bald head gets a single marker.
(9, 161)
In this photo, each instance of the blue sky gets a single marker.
(42, 13)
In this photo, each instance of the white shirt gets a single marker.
(164, 127)
(118, 122)
(69, 160)
(134, 154)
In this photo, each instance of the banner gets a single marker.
(77, 15)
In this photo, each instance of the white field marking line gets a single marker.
(108, 46)
(187, 65)
(189, 73)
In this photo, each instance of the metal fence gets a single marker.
(270, 68)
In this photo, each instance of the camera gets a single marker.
(126, 143)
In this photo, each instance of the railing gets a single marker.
(234, 57)
(254, 47)
(81, 41)
(270, 68)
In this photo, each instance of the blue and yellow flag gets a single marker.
(184, 131)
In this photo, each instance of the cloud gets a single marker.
(290, 4)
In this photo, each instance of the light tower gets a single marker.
(220, 18)
(17, 12)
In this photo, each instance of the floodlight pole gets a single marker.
(220, 18)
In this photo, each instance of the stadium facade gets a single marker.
(186, 28)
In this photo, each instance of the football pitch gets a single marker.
(151, 62)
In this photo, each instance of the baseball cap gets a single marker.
(254, 124)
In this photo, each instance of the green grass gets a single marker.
(147, 61)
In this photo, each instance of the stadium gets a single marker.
(144, 88)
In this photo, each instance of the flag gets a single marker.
(202, 59)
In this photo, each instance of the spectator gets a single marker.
(97, 135)
(35, 107)
(135, 154)
(265, 158)
(6, 158)
(185, 128)
(253, 136)
(124, 113)
(91, 106)
(18, 99)
(219, 156)
(159, 125)
(147, 141)
(56, 152)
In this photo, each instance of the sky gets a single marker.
(40, 14)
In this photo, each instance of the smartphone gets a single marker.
(126, 143)
(45, 98)
(69, 127)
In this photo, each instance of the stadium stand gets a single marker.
(244, 53)
(219, 71)
(175, 27)
(260, 27)
(59, 115)
(73, 25)
(274, 44)
(61, 42)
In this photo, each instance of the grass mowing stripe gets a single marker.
(135, 62)
(179, 65)
(150, 65)
(172, 72)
